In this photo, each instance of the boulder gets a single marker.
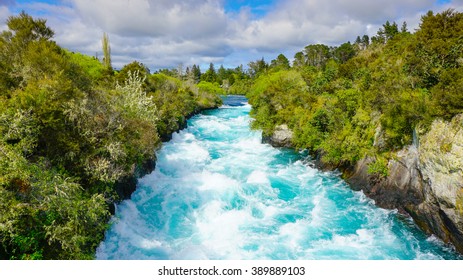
(282, 137)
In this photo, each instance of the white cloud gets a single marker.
(296, 22)
(186, 19)
(165, 33)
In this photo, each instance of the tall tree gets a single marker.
(196, 72)
(23, 32)
(281, 62)
(404, 29)
(222, 74)
(317, 55)
(24, 29)
(344, 52)
(366, 40)
(299, 60)
(210, 75)
(257, 67)
(106, 52)
(387, 32)
(180, 74)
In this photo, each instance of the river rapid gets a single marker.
(218, 193)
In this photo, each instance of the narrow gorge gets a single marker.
(218, 193)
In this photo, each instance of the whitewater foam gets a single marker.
(218, 193)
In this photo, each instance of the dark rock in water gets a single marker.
(127, 185)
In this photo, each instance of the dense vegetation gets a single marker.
(71, 128)
(368, 98)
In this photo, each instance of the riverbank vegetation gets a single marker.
(71, 128)
(367, 98)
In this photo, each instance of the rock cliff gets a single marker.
(424, 180)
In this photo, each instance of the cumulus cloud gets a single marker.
(296, 22)
(165, 33)
(187, 19)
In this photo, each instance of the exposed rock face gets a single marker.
(426, 182)
(441, 163)
(281, 137)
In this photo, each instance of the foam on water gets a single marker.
(219, 193)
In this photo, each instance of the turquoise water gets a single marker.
(218, 193)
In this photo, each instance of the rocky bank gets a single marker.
(282, 137)
(424, 180)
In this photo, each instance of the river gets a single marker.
(218, 193)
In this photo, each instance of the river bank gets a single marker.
(218, 193)
(423, 180)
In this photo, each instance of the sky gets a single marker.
(169, 33)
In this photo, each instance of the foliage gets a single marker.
(44, 213)
(379, 167)
(210, 75)
(280, 63)
(90, 65)
(134, 67)
(211, 88)
(134, 101)
(69, 131)
(270, 96)
(257, 68)
(365, 99)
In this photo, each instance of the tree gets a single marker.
(299, 60)
(106, 52)
(180, 74)
(317, 55)
(210, 75)
(257, 67)
(439, 46)
(344, 52)
(404, 29)
(196, 72)
(387, 32)
(281, 62)
(222, 75)
(24, 29)
(366, 40)
(132, 68)
(362, 42)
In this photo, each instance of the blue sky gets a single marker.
(258, 7)
(167, 33)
